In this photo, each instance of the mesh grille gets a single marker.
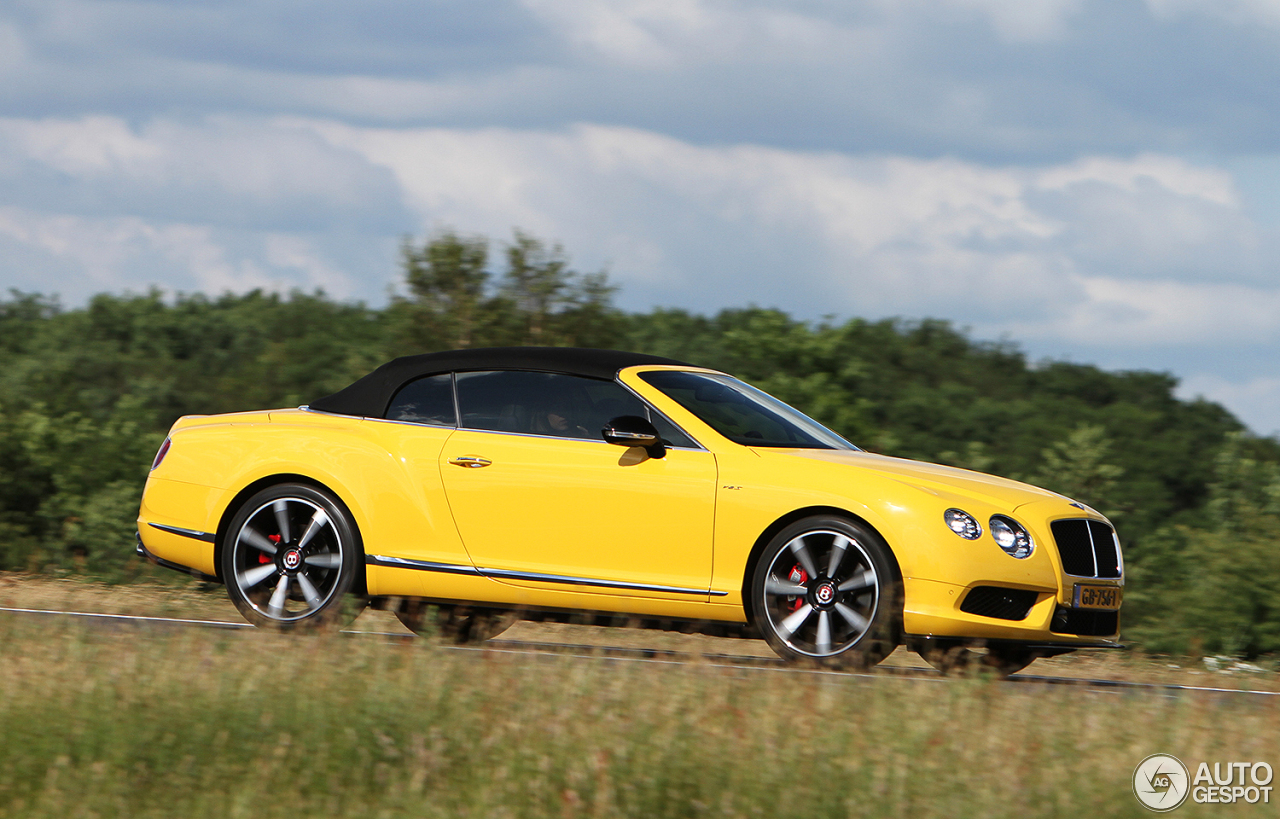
(1085, 622)
(1087, 548)
(1002, 604)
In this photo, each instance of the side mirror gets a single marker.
(632, 430)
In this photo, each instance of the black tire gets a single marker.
(454, 624)
(955, 657)
(826, 590)
(291, 557)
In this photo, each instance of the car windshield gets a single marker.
(742, 413)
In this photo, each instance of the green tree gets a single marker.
(447, 279)
(1215, 588)
(1077, 466)
(538, 282)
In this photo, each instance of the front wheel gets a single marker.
(290, 557)
(825, 590)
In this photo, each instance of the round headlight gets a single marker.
(962, 523)
(1011, 537)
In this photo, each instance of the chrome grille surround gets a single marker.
(1088, 548)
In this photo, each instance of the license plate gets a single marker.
(1097, 597)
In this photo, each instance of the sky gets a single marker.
(1094, 180)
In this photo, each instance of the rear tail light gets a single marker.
(164, 450)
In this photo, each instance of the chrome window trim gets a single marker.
(852, 447)
(698, 446)
(545, 436)
(536, 435)
(456, 427)
(540, 577)
(457, 411)
(410, 423)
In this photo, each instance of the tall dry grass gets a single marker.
(255, 724)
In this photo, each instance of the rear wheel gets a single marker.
(454, 624)
(825, 590)
(290, 558)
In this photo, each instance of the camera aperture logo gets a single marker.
(1161, 782)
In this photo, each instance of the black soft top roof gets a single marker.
(370, 395)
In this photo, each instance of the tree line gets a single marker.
(88, 393)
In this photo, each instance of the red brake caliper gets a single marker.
(264, 558)
(799, 576)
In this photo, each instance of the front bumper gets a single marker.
(933, 609)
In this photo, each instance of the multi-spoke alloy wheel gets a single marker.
(825, 589)
(290, 555)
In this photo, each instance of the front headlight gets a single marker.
(1011, 537)
(962, 523)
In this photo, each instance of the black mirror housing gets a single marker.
(632, 430)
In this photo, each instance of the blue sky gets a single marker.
(1096, 180)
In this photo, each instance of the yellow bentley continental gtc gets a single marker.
(464, 490)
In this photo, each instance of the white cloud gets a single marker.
(234, 171)
(13, 51)
(1240, 12)
(1068, 245)
(1140, 314)
(89, 255)
(1141, 251)
(665, 34)
(89, 146)
(1025, 20)
(1170, 173)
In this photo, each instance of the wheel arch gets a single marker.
(224, 523)
(786, 520)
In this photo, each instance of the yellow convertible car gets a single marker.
(466, 489)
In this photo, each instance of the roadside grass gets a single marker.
(257, 724)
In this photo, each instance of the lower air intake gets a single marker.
(1002, 604)
(1085, 622)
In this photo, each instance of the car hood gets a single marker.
(933, 478)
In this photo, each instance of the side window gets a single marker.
(425, 401)
(564, 406)
(671, 436)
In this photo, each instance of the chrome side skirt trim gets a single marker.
(587, 581)
(195, 534)
(420, 565)
(507, 574)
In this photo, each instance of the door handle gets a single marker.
(470, 461)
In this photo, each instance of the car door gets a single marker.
(541, 500)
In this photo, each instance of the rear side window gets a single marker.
(425, 401)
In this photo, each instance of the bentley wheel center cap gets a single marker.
(292, 559)
(825, 593)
